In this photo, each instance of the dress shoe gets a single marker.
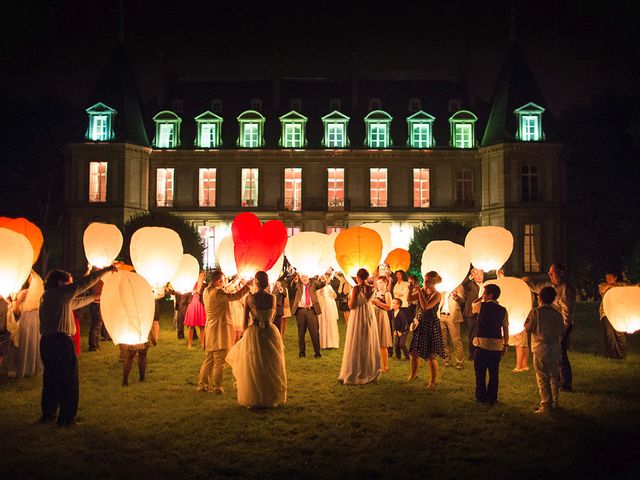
(301, 355)
(317, 355)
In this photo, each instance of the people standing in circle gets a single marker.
(196, 315)
(426, 341)
(382, 304)
(361, 357)
(615, 343)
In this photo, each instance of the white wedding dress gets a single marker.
(257, 360)
(328, 319)
(361, 358)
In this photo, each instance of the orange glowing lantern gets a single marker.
(398, 259)
(384, 230)
(356, 248)
(256, 246)
(29, 230)
(622, 308)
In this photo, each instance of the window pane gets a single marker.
(335, 135)
(100, 128)
(378, 187)
(293, 189)
(530, 183)
(207, 184)
(421, 187)
(164, 187)
(98, 181)
(208, 135)
(335, 188)
(292, 135)
(249, 187)
(532, 246)
(463, 135)
(250, 135)
(420, 135)
(166, 139)
(530, 128)
(378, 135)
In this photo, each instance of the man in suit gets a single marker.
(283, 310)
(219, 332)
(450, 321)
(400, 320)
(471, 291)
(306, 308)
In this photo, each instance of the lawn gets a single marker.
(163, 428)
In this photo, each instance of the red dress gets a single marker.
(76, 336)
(196, 315)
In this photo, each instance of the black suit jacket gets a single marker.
(314, 286)
(401, 321)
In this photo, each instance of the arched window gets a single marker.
(463, 129)
(378, 125)
(167, 130)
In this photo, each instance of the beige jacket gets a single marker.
(219, 331)
(565, 302)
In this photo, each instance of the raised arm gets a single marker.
(77, 288)
(429, 302)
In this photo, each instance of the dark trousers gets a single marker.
(615, 343)
(566, 377)
(180, 324)
(401, 345)
(277, 321)
(486, 360)
(307, 319)
(60, 380)
(96, 326)
(472, 323)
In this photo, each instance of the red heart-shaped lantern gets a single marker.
(256, 246)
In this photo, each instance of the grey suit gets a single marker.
(307, 317)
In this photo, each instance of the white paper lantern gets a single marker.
(127, 307)
(311, 253)
(332, 253)
(187, 274)
(489, 247)
(102, 243)
(156, 253)
(622, 308)
(16, 257)
(515, 296)
(275, 271)
(225, 257)
(449, 259)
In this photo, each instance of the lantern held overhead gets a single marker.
(187, 274)
(449, 259)
(356, 248)
(156, 253)
(256, 246)
(102, 243)
(29, 230)
(516, 297)
(489, 247)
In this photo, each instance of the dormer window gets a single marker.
(209, 127)
(167, 130)
(462, 125)
(293, 130)
(335, 130)
(529, 123)
(378, 125)
(420, 133)
(251, 129)
(100, 127)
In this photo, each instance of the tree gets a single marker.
(441, 229)
(191, 241)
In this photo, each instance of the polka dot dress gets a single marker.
(427, 337)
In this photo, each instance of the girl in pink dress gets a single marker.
(196, 315)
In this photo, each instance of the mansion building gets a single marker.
(321, 154)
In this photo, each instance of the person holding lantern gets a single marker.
(283, 308)
(471, 291)
(615, 343)
(306, 308)
(195, 315)
(450, 321)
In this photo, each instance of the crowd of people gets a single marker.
(242, 324)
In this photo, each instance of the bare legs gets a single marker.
(346, 316)
(201, 336)
(128, 363)
(522, 359)
(190, 337)
(414, 361)
(283, 327)
(432, 363)
(384, 359)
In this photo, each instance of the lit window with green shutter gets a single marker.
(167, 130)
(251, 125)
(378, 124)
(335, 130)
(462, 125)
(100, 127)
(209, 130)
(420, 130)
(293, 130)
(529, 118)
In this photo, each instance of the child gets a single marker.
(401, 322)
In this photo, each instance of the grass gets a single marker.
(163, 428)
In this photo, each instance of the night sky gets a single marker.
(575, 48)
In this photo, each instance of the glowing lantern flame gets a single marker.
(310, 253)
(127, 307)
(515, 296)
(16, 256)
(356, 248)
(622, 308)
(29, 230)
(225, 258)
(489, 247)
(102, 243)
(449, 259)
(398, 259)
(156, 253)
(256, 247)
(187, 274)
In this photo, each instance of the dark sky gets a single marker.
(575, 48)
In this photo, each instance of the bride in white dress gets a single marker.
(361, 359)
(257, 359)
(328, 319)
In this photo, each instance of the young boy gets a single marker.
(400, 321)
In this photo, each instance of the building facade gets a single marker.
(322, 154)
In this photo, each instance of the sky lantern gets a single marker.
(187, 274)
(398, 259)
(102, 243)
(489, 247)
(356, 248)
(515, 296)
(225, 257)
(311, 253)
(156, 253)
(127, 307)
(622, 308)
(16, 255)
(449, 259)
(274, 272)
(29, 230)
(384, 230)
(256, 247)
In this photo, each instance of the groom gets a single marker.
(306, 308)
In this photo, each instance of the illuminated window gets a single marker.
(251, 129)
(378, 124)
(100, 123)
(335, 188)
(529, 123)
(293, 130)
(335, 130)
(249, 187)
(331, 230)
(209, 126)
(421, 188)
(462, 129)
(208, 238)
(415, 105)
(530, 175)
(420, 126)
(207, 190)
(532, 247)
(167, 130)
(98, 181)
(293, 189)
(291, 231)
(164, 187)
(378, 187)
(464, 187)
